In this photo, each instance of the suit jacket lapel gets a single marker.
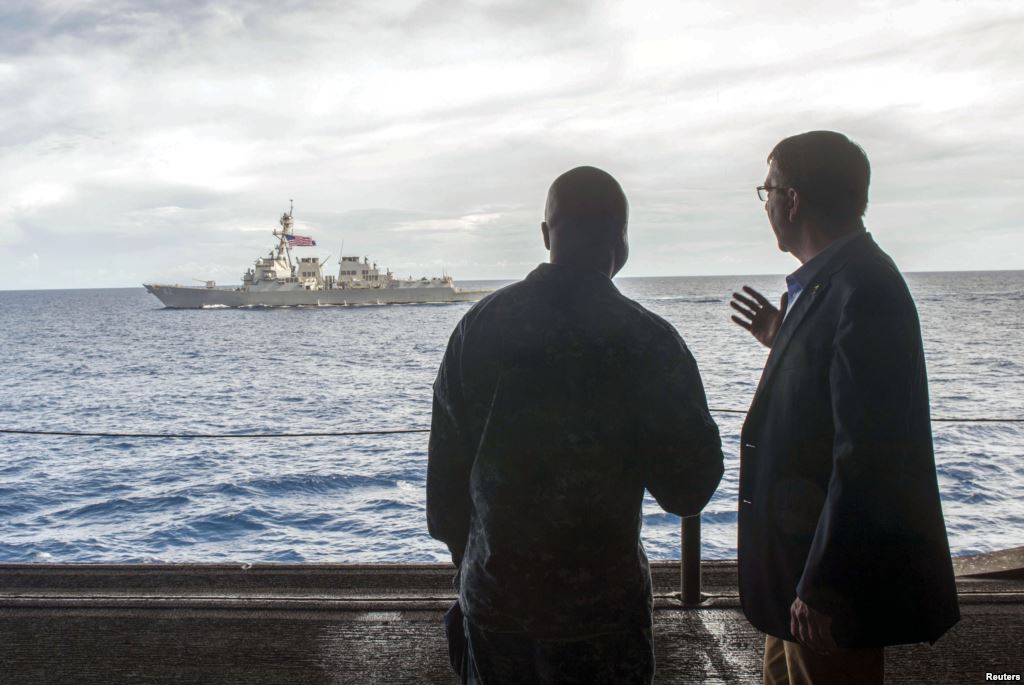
(804, 305)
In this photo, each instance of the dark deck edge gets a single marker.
(382, 623)
(982, 578)
(1005, 563)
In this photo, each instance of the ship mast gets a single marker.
(286, 230)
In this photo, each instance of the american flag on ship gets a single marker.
(300, 241)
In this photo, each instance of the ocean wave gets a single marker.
(132, 506)
(384, 506)
(689, 300)
(315, 484)
(223, 525)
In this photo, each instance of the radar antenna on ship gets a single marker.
(287, 224)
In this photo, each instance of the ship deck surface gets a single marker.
(382, 624)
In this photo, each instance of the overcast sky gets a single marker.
(160, 141)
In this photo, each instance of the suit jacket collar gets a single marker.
(817, 285)
(809, 271)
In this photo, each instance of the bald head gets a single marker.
(585, 220)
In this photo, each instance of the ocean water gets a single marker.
(115, 360)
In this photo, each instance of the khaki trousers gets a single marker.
(790, 663)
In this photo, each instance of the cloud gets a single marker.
(468, 223)
(29, 263)
(428, 132)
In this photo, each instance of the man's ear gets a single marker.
(794, 203)
(621, 252)
(545, 231)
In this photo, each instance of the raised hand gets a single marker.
(759, 316)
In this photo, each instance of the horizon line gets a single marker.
(625, 278)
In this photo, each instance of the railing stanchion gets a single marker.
(691, 560)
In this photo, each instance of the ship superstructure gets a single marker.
(280, 279)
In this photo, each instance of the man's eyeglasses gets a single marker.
(762, 191)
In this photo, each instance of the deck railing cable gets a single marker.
(208, 436)
(339, 434)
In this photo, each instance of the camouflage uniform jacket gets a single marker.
(558, 401)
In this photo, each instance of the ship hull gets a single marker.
(184, 297)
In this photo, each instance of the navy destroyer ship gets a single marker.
(279, 280)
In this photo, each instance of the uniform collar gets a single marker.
(566, 272)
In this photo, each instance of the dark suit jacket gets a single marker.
(839, 502)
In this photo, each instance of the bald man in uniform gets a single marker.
(558, 402)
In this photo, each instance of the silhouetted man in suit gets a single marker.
(557, 403)
(842, 545)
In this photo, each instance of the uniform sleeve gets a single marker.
(878, 477)
(448, 461)
(678, 439)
